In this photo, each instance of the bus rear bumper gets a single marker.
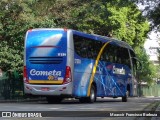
(45, 90)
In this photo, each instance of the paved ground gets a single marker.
(68, 105)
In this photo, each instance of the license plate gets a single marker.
(45, 89)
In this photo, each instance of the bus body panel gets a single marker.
(45, 90)
(46, 59)
(70, 58)
(82, 74)
(46, 55)
(111, 78)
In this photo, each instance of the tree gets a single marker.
(121, 18)
(16, 17)
(151, 11)
(149, 70)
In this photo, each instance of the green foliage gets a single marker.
(16, 18)
(151, 11)
(154, 17)
(149, 70)
(119, 18)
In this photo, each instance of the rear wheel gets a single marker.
(91, 98)
(83, 100)
(51, 99)
(127, 93)
(124, 98)
(128, 90)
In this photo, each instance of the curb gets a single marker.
(22, 100)
(157, 111)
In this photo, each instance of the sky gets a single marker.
(153, 40)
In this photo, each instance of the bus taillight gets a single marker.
(65, 29)
(68, 77)
(30, 30)
(25, 77)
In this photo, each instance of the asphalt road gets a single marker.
(79, 111)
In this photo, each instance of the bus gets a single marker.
(64, 63)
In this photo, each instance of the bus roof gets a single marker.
(104, 39)
(92, 36)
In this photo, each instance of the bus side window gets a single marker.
(92, 52)
(125, 57)
(133, 60)
(89, 50)
(79, 46)
(106, 55)
(86, 47)
(112, 53)
(97, 47)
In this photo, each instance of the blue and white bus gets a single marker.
(60, 63)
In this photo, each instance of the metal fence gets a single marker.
(150, 90)
(11, 86)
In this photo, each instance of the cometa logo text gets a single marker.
(34, 72)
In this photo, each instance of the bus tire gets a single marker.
(52, 100)
(92, 97)
(128, 90)
(124, 98)
(127, 93)
(83, 100)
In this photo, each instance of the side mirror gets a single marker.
(138, 63)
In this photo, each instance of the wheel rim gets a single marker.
(127, 94)
(92, 96)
